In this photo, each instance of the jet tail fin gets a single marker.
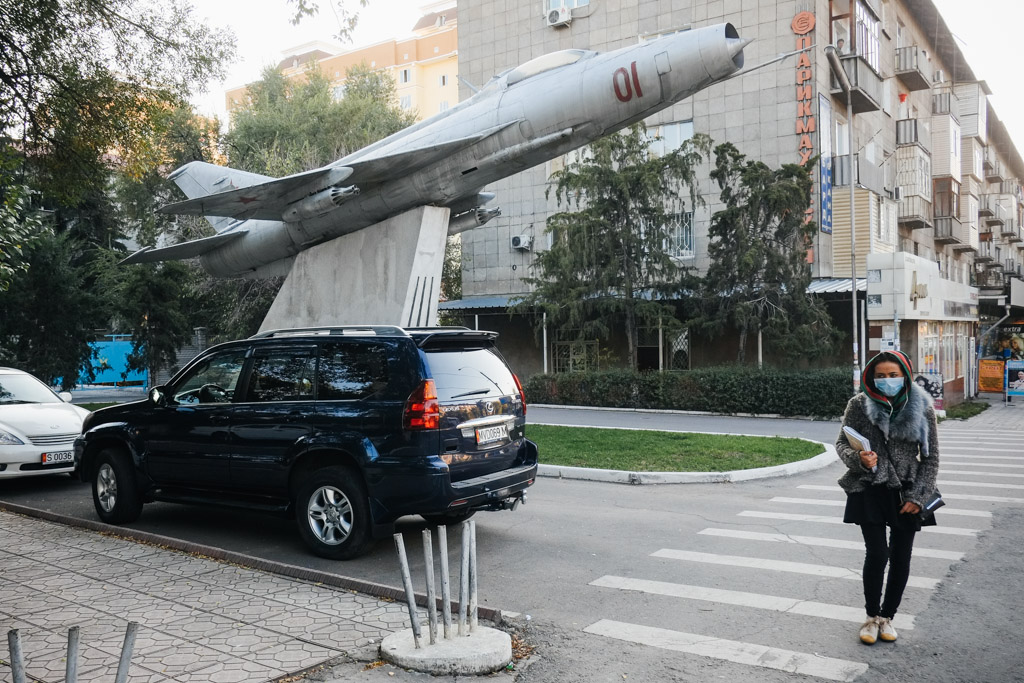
(199, 179)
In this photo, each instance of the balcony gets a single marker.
(865, 85)
(914, 212)
(910, 69)
(948, 230)
(991, 210)
(866, 173)
(993, 167)
(1010, 231)
(986, 252)
(1011, 267)
(1012, 188)
(945, 102)
(914, 132)
(988, 280)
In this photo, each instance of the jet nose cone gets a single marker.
(736, 45)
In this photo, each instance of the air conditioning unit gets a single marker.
(522, 242)
(897, 193)
(560, 16)
(939, 76)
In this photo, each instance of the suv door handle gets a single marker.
(219, 419)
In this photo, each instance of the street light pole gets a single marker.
(844, 82)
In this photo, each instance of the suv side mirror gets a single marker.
(65, 396)
(157, 396)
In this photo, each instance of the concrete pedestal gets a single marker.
(484, 651)
(387, 274)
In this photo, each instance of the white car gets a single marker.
(38, 428)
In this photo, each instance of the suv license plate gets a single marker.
(59, 456)
(491, 434)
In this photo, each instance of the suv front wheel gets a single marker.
(333, 513)
(115, 493)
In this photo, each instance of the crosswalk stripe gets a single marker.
(781, 566)
(982, 457)
(947, 530)
(1005, 475)
(946, 496)
(981, 484)
(987, 449)
(819, 542)
(947, 461)
(775, 603)
(842, 503)
(734, 651)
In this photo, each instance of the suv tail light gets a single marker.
(421, 409)
(522, 396)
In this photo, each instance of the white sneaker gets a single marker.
(869, 631)
(885, 630)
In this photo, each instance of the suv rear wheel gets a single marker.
(115, 493)
(333, 513)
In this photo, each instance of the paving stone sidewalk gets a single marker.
(200, 619)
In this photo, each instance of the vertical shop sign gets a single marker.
(825, 163)
(806, 120)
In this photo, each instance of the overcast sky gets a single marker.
(988, 31)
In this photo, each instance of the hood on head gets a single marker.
(867, 378)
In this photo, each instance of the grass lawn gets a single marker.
(962, 411)
(95, 406)
(644, 451)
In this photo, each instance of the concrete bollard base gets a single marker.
(484, 651)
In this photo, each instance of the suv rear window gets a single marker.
(351, 371)
(464, 373)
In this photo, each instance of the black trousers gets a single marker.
(895, 553)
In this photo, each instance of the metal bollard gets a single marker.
(17, 660)
(446, 590)
(473, 622)
(464, 580)
(71, 668)
(428, 563)
(126, 652)
(410, 596)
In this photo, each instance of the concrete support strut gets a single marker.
(387, 274)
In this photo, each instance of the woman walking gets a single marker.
(887, 485)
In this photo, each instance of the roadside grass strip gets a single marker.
(785, 516)
(773, 603)
(946, 496)
(750, 654)
(822, 570)
(842, 503)
(820, 542)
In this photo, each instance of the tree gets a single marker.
(19, 225)
(346, 18)
(758, 277)
(82, 81)
(609, 263)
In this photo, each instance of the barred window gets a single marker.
(575, 356)
(680, 235)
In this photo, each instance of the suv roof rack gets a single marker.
(351, 330)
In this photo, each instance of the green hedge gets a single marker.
(814, 393)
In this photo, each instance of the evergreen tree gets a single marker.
(610, 263)
(758, 277)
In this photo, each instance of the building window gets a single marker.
(443, 80)
(405, 102)
(867, 36)
(404, 76)
(338, 92)
(555, 4)
(443, 106)
(575, 356)
(946, 198)
(680, 235)
(669, 137)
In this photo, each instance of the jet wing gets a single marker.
(263, 200)
(378, 169)
(183, 250)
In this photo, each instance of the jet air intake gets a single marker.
(319, 203)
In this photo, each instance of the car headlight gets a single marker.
(8, 439)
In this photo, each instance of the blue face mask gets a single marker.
(890, 386)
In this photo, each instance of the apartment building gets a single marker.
(424, 64)
(936, 195)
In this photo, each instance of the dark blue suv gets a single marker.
(347, 428)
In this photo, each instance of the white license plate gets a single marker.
(58, 457)
(491, 434)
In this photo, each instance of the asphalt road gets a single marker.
(585, 555)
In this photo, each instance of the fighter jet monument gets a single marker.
(362, 239)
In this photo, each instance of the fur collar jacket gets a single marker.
(907, 445)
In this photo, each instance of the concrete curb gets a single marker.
(622, 477)
(701, 413)
(291, 571)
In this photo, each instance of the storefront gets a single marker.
(913, 309)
